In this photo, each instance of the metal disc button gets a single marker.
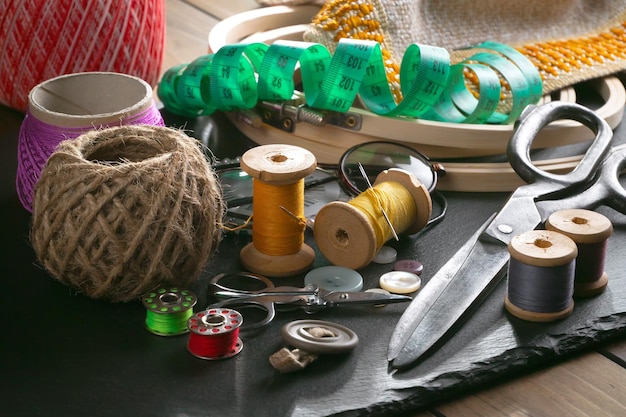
(335, 338)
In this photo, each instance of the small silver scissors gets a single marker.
(267, 296)
(470, 275)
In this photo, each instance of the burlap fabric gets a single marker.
(568, 40)
(288, 2)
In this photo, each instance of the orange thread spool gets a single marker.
(278, 173)
(274, 236)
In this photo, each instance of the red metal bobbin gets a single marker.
(214, 334)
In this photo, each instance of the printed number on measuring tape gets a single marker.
(239, 76)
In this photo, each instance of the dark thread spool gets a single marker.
(541, 276)
(590, 231)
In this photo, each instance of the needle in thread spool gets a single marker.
(369, 185)
(309, 222)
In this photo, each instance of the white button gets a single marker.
(400, 282)
(385, 255)
(379, 291)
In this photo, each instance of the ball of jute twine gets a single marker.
(123, 210)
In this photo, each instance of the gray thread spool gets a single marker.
(541, 276)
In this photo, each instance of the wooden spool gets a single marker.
(584, 227)
(277, 165)
(344, 234)
(541, 248)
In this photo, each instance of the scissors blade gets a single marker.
(363, 297)
(450, 295)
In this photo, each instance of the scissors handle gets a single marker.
(239, 303)
(258, 292)
(606, 189)
(239, 298)
(615, 194)
(534, 119)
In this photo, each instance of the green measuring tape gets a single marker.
(238, 76)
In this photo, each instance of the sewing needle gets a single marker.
(369, 184)
(309, 222)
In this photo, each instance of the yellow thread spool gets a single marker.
(278, 173)
(350, 234)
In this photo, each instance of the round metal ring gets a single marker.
(169, 300)
(297, 334)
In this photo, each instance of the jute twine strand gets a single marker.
(123, 210)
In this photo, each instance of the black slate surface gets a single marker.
(65, 354)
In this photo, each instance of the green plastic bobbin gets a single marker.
(168, 310)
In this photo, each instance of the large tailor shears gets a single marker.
(468, 277)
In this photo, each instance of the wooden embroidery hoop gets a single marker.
(437, 140)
